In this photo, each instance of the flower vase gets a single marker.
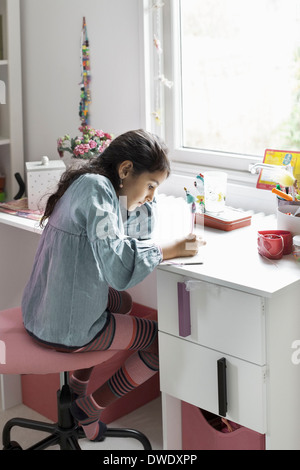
(78, 163)
(73, 163)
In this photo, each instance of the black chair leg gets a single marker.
(65, 433)
(115, 432)
(8, 444)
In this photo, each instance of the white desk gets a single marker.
(256, 340)
(19, 239)
(20, 222)
(247, 310)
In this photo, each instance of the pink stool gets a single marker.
(19, 354)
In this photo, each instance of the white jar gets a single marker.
(42, 179)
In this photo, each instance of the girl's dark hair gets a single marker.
(146, 151)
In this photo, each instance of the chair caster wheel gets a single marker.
(12, 445)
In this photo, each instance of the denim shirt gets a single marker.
(83, 250)
(141, 223)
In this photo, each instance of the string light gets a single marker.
(159, 77)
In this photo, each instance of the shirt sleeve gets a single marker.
(142, 222)
(124, 261)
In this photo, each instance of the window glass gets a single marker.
(240, 70)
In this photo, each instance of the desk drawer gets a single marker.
(189, 372)
(221, 318)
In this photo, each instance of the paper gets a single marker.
(19, 207)
(185, 260)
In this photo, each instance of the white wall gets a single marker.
(51, 32)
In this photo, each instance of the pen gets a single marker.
(193, 215)
(187, 264)
(283, 195)
(190, 199)
(182, 264)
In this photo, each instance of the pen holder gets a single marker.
(286, 219)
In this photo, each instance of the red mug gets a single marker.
(273, 244)
(287, 238)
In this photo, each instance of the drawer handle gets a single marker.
(184, 315)
(222, 386)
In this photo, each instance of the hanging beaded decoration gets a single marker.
(85, 95)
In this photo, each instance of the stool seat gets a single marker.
(21, 355)
(24, 356)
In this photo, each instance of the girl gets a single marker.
(72, 300)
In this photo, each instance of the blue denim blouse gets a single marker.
(83, 250)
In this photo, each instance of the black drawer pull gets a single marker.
(222, 387)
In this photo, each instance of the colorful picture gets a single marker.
(277, 157)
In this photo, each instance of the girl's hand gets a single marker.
(188, 246)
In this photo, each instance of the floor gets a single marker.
(146, 419)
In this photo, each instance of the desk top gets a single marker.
(20, 222)
(231, 259)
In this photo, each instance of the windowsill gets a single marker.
(241, 189)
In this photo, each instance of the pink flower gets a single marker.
(79, 149)
(104, 145)
(99, 133)
(92, 144)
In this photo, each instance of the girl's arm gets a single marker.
(188, 246)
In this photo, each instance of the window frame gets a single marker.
(237, 165)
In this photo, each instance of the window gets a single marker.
(236, 72)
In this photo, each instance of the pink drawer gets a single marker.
(199, 434)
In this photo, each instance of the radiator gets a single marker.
(174, 218)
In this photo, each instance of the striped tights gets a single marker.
(123, 332)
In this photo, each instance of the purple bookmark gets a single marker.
(184, 316)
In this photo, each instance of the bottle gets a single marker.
(296, 247)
